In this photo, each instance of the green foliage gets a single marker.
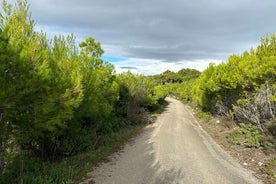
(248, 135)
(35, 171)
(268, 141)
(121, 106)
(41, 90)
(204, 116)
(236, 137)
(271, 128)
(243, 88)
(142, 91)
(75, 141)
(180, 84)
(58, 100)
(52, 93)
(168, 77)
(69, 170)
(270, 168)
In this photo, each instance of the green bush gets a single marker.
(248, 135)
(30, 170)
(74, 142)
(269, 143)
(269, 140)
(236, 137)
(271, 128)
(270, 168)
(204, 116)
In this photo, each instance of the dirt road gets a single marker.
(173, 150)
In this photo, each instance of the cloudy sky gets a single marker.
(151, 36)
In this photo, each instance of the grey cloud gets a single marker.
(159, 29)
(128, 67)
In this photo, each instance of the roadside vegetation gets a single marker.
(63, 109)
(240, 91)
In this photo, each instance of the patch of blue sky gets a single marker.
(112, 59)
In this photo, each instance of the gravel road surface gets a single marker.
(173, 150)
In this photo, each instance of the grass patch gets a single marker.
(204, 116)
(154, 114)
(270, 168)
